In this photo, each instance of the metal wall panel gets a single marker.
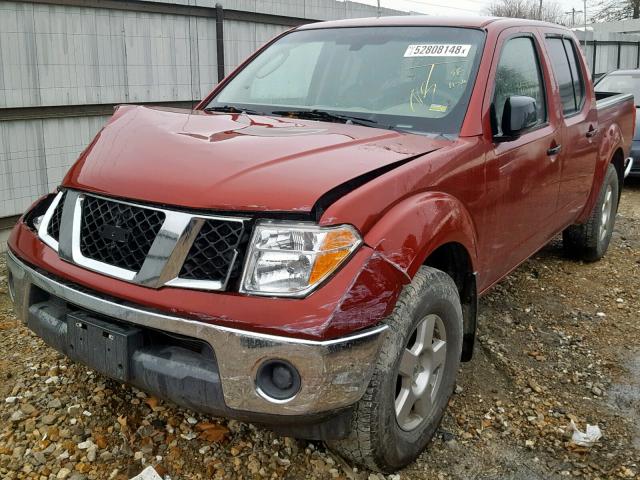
(606, 58)
(588, 53)
(326, 9)
(22, 165)
(54, 55)
(241, 39)
(64, 139)
(35, 155)
(207, 62)
(314, 9)
(158, 57)
(606, 55)
(629, 56)
(264, 33)
(290, 8)
(19, 76)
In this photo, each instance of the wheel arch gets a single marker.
(609, 155)
(453, 259)
(617, 160)
(436, 230)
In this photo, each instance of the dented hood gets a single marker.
(233, 161)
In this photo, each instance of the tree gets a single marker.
(532, 9)
(612, 10)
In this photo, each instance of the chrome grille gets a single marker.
(140, 226)
(144, 244)
(212, 255)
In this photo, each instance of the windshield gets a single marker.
(621, 83)
(407, 78)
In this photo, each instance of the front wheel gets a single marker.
(590, 240)
(413, 378)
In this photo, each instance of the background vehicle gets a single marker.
(306, 249)
(624, 81)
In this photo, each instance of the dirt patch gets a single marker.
(558, 340)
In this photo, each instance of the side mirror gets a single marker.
(519, 114)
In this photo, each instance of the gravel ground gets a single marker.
(558, 341)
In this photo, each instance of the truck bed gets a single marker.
(616, 109)
(608, 99)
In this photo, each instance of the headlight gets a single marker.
(292, 259)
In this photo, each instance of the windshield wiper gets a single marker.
(324, 115)
(306, 114)
(231, 109)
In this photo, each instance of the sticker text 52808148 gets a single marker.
(437, 50)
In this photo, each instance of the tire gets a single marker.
(377, 440)
(589, 241)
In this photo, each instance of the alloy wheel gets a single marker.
(607, 209)
(420, 373)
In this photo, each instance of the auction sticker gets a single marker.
(437, 50)
(438, 108)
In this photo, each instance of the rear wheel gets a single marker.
(590, 240)
(413, 378)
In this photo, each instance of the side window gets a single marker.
(562, 72)
(576, 73)
(567, 74)
(518, 73)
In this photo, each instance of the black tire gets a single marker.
(589, 242)
(377, 441)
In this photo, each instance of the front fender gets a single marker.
(418, 225)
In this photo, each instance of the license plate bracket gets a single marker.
(104, 346)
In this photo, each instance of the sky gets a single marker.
(465, 7)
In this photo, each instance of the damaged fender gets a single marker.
(415, 227)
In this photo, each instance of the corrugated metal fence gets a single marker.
(66, 63)
(610, 51)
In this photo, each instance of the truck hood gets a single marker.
(238, 162)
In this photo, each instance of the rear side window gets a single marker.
(518, 73)
(576, 73)
(567, 74)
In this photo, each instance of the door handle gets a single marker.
(554, 150)
(592, 132)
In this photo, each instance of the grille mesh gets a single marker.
(212, 253)
(53, 229)
(138, 226)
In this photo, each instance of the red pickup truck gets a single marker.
(305, 249)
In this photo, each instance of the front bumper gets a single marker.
(334, 373)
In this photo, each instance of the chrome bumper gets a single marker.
(334, 373)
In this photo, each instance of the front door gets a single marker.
(523, 173)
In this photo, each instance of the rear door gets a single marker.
(523, 173)
(579, 124)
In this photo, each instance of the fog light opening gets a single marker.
(277, 381)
